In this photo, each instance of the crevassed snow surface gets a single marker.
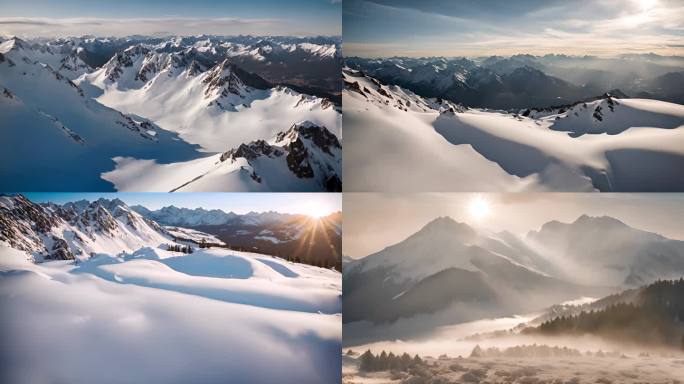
(400, 141)
(214, 316)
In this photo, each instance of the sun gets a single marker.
(315, 211)
(645, 5)
(479, 208)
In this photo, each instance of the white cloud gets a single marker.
(602, 27)
(49, 27)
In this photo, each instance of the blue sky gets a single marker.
(158, 17)
(380, 28)
(305, 203)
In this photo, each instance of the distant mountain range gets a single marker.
(311, 240)
(447, 264)
(526, 81)
(278, 59)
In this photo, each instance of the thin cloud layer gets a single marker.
(49, 27)
(383, 28)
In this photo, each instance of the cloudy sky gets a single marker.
(50, 18)
(382, 28)
(374, 221)
(317, 204)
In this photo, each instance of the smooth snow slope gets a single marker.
(213, 316)
(178, 96)
(56, 138)
(305, 158)
(394, 142)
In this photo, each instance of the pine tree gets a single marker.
(367, 361)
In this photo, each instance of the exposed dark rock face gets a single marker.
(60, 250)
(355, 87)
(299, 156)
(298, 160)
(608, 97)
(121, 60)
(598, 115)
(252, 150)
(223, 76)
(23, 223)
(309, 151)
(333, 184)
(320, 136)
(71, 63)
(56, 232)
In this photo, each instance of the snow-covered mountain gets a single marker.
(280, 59)
(183, 107)
(471, 83)
(448, 264)
(186, 217)
(77, 230)
(521, 81)
(99, 270)
(61, 58)
(605, 143)
(604, 250)
(206, 106)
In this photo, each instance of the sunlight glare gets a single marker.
(645, 5)
(479, 208)
(315, 210)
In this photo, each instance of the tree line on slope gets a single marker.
(655, 316)
(368, 362)
(180, 248)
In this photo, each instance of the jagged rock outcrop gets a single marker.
(62, 232)
(309, 150)
(115, 66)
(223, 77)
(24, 225)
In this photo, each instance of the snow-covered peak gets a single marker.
(222, 80)
(75, 230)
(320, 136)
(13, 44)
(305, 151)
(445, 225)
(65, 61)
(599, 221)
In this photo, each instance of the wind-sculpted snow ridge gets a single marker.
(306, 157)
(105, 274)
(604, 144)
